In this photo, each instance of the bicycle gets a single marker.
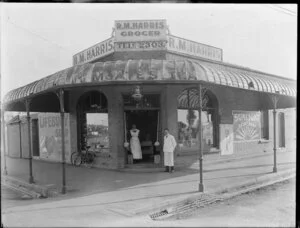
(86, 157)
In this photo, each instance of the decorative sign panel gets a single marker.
(97, 51)
(226, 135)
(246, 125)
(188, 47)
(140, 30)
(50, 136)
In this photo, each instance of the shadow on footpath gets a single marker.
(82, 181)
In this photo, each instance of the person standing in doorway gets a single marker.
(168, 149)
(135, 144)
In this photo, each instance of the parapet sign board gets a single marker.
(145, 35)
(140, 30)
(188, 47)
(95, 52)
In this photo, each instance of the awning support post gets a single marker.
(3, 140)
(275, 99)
(60, 95)
(201, 187)
(27, 104)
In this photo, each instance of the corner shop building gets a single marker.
(173, 75)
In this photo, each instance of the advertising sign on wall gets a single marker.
(226, 135)
(50, 136)
(246, 125)
(180, 45)
(97, 51)
(140, 30)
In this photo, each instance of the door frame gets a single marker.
(126, 109)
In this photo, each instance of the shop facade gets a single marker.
(145, 76)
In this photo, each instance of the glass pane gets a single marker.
(97, 130)
(188, 129)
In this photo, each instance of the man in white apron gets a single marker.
(168, 149)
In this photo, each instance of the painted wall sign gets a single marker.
(226, 135)
(50, 136)
(97, 51)
(140, 30)
(246, 125)
(188, 47)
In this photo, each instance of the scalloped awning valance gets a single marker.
(157, 70)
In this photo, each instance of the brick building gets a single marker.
(177, 79)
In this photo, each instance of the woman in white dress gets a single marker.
(135, 144)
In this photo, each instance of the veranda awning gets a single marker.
(153, 70)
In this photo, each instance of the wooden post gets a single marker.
(275, 100)
(201, 187)
(62, 120)
(27, 104)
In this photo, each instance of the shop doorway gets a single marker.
(147, 122)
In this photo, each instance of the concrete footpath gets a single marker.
(95, 195)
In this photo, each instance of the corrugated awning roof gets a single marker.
(158, 70)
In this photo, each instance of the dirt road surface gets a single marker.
(272, 206)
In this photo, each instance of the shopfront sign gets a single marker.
(95, 52)
(140, 45)
(50, 136)
(246, 125)
(145, 35)
(140, 30)
(226, 144)
(191, 48)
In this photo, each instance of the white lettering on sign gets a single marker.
(192, 48)
(140, 30)
(97, 51)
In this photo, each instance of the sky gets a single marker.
(40, 39)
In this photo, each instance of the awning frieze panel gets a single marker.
(155, 70)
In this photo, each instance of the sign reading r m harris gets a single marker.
(140, 30)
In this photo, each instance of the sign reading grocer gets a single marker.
(141, 30)
(246, 125)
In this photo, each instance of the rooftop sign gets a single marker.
(187, 47)
(146, 35)
(95, 52)
(140, 30)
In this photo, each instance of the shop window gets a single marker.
(188, 120)
(188, 128)
(265, 124)
(97, 130)
(92, 117)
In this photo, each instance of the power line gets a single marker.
(41, 37)
(278, 10)
(284, 9)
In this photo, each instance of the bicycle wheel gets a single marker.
(73, 157)
(78, 160)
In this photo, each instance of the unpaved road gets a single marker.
(272, 206)
(11, 197)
